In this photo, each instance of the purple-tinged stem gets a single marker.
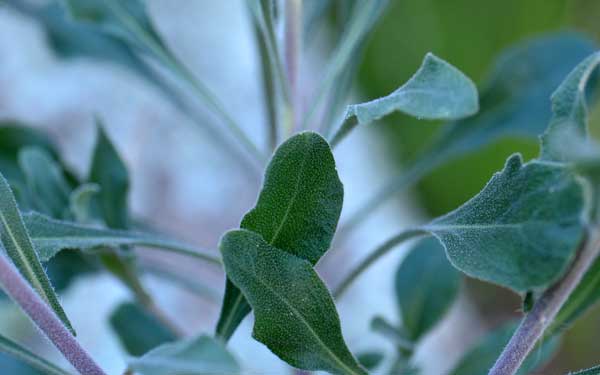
(545, 309)
(45, 319)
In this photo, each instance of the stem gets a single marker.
(44, 318)
(293, 41)
(545, 309)
(375, 255)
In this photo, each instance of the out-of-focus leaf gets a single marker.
(110, 173)
(436, 91)
(47, 184)
(426, 286)
(51, 236)
(200, 356)
(81, 202)
(482, 356)
(569, 112)
(295, 316)
(19, 248)
(370, 360)
(297, 211)
(590, 371)
(521, 231)
(397, 335)
(138, 331)
(26, 356)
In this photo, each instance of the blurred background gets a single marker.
(194, 188)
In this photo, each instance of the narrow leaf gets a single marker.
(521, 231)
(295, 316)
(200, 356)
(138, 331)
(51, 236)
(297, 211)
(20, 249)
(590, 371)
(426, 286)
(436, 91)
(482, 356)
(13, 349)
(569, 112)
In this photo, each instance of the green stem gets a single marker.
(375, 255)
(293, 41)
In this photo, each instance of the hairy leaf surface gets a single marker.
(297, 211)
(426, 286)
(295, 316)
(521, 231)
(199, 356)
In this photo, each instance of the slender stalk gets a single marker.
(293, 41)
(12, 348)
(44, 318)
(545, 309)
(375, 255)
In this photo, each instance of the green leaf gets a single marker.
(590, 371)
(15, 350)
(295, 316)
(19, 248)
(81, 202)
(297, 211)
(200, 356)
(370, 360)
(397, 335)
(483, 355)
(138, 331)
(426, 286)
(521, 231)
(569, 112)
(46, 181)
(436, 91)
(51, 236)
(110, 173)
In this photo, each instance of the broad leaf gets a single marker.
(24, 355)
(19, 248)
(110, 173)
(295, 316)
(569, 112)
(297, 211)
(46, 182)
(436, 91)
(483, 355)
(51, 236)
(521, 231)
(199, 356)
(426, 286)
(138, 331)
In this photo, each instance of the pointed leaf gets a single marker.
(51, 236)
(370, 360)
(46, 181)
(482, 356)
(19, 248)
(569, 112)
(426, 287)
(15, 350)
(199, 356)
(521, 231)
(297, 210)
(295, 316)
(138, 331)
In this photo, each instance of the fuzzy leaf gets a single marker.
(45, 179)
(19, 248)
(520, 231)
(297, 211)
(51, 236)
(295, 316)
(199, 356)
(482, 356)
(24, 355)
(426, 286)
(569, 112)
(138, 331)
(590, 371)
(436, 91)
